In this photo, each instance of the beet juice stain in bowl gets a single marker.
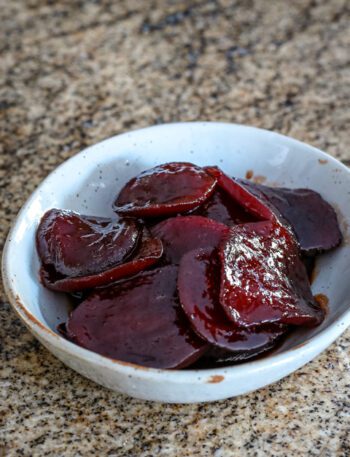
(195, 266)
(181, 266)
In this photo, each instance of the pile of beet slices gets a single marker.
(198, 268)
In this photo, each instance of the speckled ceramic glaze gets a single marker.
(89, 182)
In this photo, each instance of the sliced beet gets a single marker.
(139, 321)
(148, 253)
(77, 245)
(217, 357)
(241, 194)
(312, 219)
(263, 280)
(199, 287)
(222, 208)
(171, 188)
(185, 233)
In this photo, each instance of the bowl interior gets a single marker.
(89, 182)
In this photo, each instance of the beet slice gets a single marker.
(149, 252)
(242, 194)
(171, 188)
(263, 280)
(217, 357)
(312, 219)
(185, 233)
(77, 245)
(199, 287)
(139, 321)
(221, 208)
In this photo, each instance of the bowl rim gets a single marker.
(39, 329)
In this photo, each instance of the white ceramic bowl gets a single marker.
(88, 183)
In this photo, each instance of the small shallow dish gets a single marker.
(88, 183)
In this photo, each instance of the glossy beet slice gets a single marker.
(185, 233)
(217, 357)
(149, 252)
(168, 189)
(263, 279)
(199, 287)
(139, 321)
(76, 245)
(222, 208)
(312, 219)
(242, 194)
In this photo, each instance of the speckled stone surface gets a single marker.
(73, 73)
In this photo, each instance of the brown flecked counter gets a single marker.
(74, 73)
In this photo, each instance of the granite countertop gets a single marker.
(73, 73)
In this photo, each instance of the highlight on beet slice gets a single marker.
(222, 208)
(184, 233)
(171, 188)
(139, 321)
(77, 245)
(150, 250)
(199, 287)
(242, 195)
(263, 280)
(312, 219)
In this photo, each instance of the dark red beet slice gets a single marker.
(222, 208)
(312, 219)
(199, 287)
(139, 321)
(77, 245)
(149, 252)
(217, 357)
(242, 195)
(168, 189)
(185, 233)
(263, 279)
